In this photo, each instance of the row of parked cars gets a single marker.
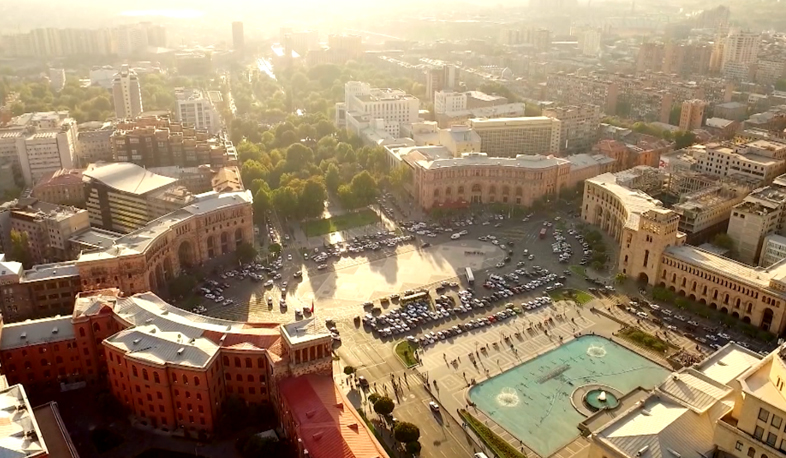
(359, 244)
(433, 337)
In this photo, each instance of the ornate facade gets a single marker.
(653, 250)
(146, 259)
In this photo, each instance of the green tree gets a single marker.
(406, 432)
(364, 188)
(20, 248)
(246, 252)
(347, 197)
(247, 151)
(298, 155)
(723, 240)
(620, 278)
(349, 370)
(373, 398)
(780, 85)
(285, 201)
(312, 199)
(253, 170)
(262, 204)
(258, 445)
(674, 115)
(345, 152)
(683, 139)
(274, 248)
(413, 447)
(332, 178)
(384, 406)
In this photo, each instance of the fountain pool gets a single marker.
(536, 395)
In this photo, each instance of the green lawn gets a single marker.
(339, 223)
(405, 352)
(501, 448)
(578, 270)
(643, 339)
(577, 295)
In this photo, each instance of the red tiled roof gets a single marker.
(327, 423)
(256, 339)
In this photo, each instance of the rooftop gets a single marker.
(304, 331)
(95, 238)
(127, 177)
(326, 422)
(20, 435)
(510, 122)
(138, 241)
(62, 177)
(51, 271)
(634, 201)
(34, 332)
(727, 363)
(58, 441)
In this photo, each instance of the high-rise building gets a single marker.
(127, 93)
(510, 137)
(131, 39)
(238, 39)
(439, 77)
(578, 125)
(692, 114)
(446, 101)
(740, 52)
(39, 143)
(589, 42)
(156, 35)
(196, 107)
(94, 142)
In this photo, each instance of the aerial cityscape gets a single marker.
(537, 229)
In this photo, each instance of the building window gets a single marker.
(771, 439)
(156, 378)
(751, 452)
(738, 446)
(758, 432)
(776, 421)
(763, 415)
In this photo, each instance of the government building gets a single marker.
(147, 258)
(653, 250)
(172, 370)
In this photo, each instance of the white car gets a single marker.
(289, 257)
(456, 236)
(322, 267)
(433, 406)
(269, 283)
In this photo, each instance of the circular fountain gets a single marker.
(508, 397)
(596, 351)
(599, 399)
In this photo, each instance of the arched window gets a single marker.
(505, 190)
(96, 327)
(134, 371)
(436, 192)
(260, 362)
(81, 332)
(751, 452)
(226, 360)
(144, 374)
(185, 379)
(156, 378)
(227, 376)
(237, 362)
(448, 191)
(196, 380)
(476, 188)
(248, 362)
(493, 189)
(461, 189)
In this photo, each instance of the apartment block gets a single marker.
(773, 250)
(762, 213)
(578, 127)
(572, 89)
(196, 108)
(386, 109)
(94, 142)
(123, 197)
(39, 143)
(127, 93)
(692, 115)
(706, 212)
(759, 159)
(510, 137)
(157, 141)
(48, 227)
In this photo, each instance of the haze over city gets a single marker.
(353, 229)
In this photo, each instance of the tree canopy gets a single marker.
(384, 406)
(406, 432)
